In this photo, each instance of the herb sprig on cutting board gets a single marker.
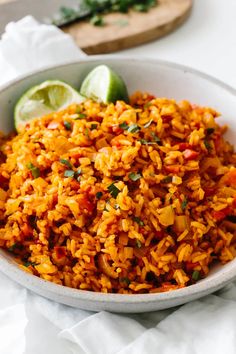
(95, 9)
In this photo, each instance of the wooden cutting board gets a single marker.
(128, 30)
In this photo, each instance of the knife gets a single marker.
(45, 11)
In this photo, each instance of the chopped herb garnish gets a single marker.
(69, 173)
(184, 204)
(93, 9)
(66, 162)
(34, 170)
(210, 131)
(207, 144)
(155, 137)
(125, 280)
(148, 123)
(195, 275)
(79, 171)
(28, 263)
(81, 116)
(138, 220)
(16, 246)
(97, 20)
(114, 191)
(138, 244)
(99, 195)
(93, 126)
(146, 142)
(133, 128)
(134, 176)
(167, 179)
(87, 132)
(124, 126)
(67, 125)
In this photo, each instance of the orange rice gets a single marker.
(119, 198)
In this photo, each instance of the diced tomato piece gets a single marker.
(74, 185)
(172, 169)
(167, 119)
(76, 155)
(116, 129)
(190, 266)
(60, 251)
(209, 191)
(159, 235)
(220, 214)
(230, 178)
(53, 125)
(86, 204)
(190, 154)
(27, 230)
(184, 146)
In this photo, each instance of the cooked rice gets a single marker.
(120, 198)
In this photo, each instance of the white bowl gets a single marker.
(157, 77)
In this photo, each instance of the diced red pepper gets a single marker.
(159, 235)
(167, 119)
(190, 154)
(172, 169)
(86, 204)
(184, 146)
(74, 185)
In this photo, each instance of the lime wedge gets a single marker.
(48, 97)
(103, 85)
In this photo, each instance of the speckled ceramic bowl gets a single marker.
(163, 79)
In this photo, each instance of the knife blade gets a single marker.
(45, 11)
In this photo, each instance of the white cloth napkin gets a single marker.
(31, 324)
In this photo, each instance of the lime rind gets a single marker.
(48, 97)
(102, 84)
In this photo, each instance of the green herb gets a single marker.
(81, 116)
(138, 244)
(210, 131)
(138, 220)
(114, 191)
(15, 247)
(195, 275)
(69, 173)
(66, 162)
(93, 126)
(124, 126)
(167, 179)
(146, 142)
(207, 144)
(67, 125)
(155, 138)
(93, 9)
(28, 263)
(134, 176)
(133, 128)
(97, 20)
(87, 132)
(148, 123)
(34, 170)
(125, 280)
(121, 22)
(184, 204)
(79, 171)
(99, 195)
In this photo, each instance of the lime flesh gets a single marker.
(48, 97)
(102, 84)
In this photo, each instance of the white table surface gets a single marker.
(207, 41)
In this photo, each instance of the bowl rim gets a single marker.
(11, 268)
